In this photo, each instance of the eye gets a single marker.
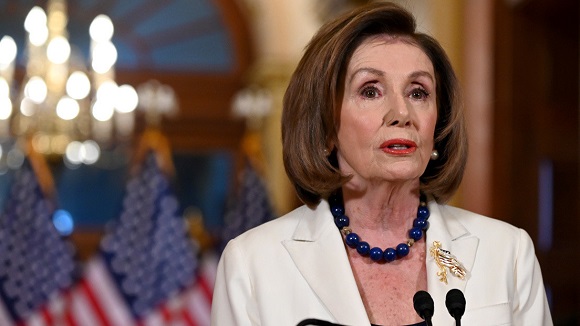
(370, 92)
(419, 93)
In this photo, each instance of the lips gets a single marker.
(399, 146)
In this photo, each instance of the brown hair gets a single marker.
(311, 115)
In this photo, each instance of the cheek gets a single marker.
(356, 131)
(358, 122)
(431, 132)
(429, 127)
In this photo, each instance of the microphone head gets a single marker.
(455, 303)
(423, 304)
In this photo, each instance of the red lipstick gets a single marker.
(399, 146)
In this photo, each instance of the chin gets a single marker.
(402, 176)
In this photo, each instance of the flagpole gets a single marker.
(153, 140)
(40, 168)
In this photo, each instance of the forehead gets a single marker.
(392, 51)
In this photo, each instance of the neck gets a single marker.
(385, 208)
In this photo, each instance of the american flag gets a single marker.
(147, 269)
(36, 264)
(250, 207)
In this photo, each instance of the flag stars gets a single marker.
(38, 262)
(148, 237)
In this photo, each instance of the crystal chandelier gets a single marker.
(62, 104)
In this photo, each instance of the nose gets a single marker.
(397, 113)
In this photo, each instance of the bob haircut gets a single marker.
(312, 102)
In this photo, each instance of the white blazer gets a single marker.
(296, 267)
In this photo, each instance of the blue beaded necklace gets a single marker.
(420, 225)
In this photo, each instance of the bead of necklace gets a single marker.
(420, 226)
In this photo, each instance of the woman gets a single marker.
(374, 143)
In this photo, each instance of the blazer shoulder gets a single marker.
(478, 224)
(275, 230)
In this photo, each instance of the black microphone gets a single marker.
(319, 322)
(455, 303)
(424, 306)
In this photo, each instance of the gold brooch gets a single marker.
(444, 258)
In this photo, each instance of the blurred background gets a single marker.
(88, 88)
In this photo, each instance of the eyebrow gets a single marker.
(422, 73)
(380, 73)
(372, 71)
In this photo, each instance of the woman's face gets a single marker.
(388, 113)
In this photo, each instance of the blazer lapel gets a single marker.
(318, 251)
(456, 239)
